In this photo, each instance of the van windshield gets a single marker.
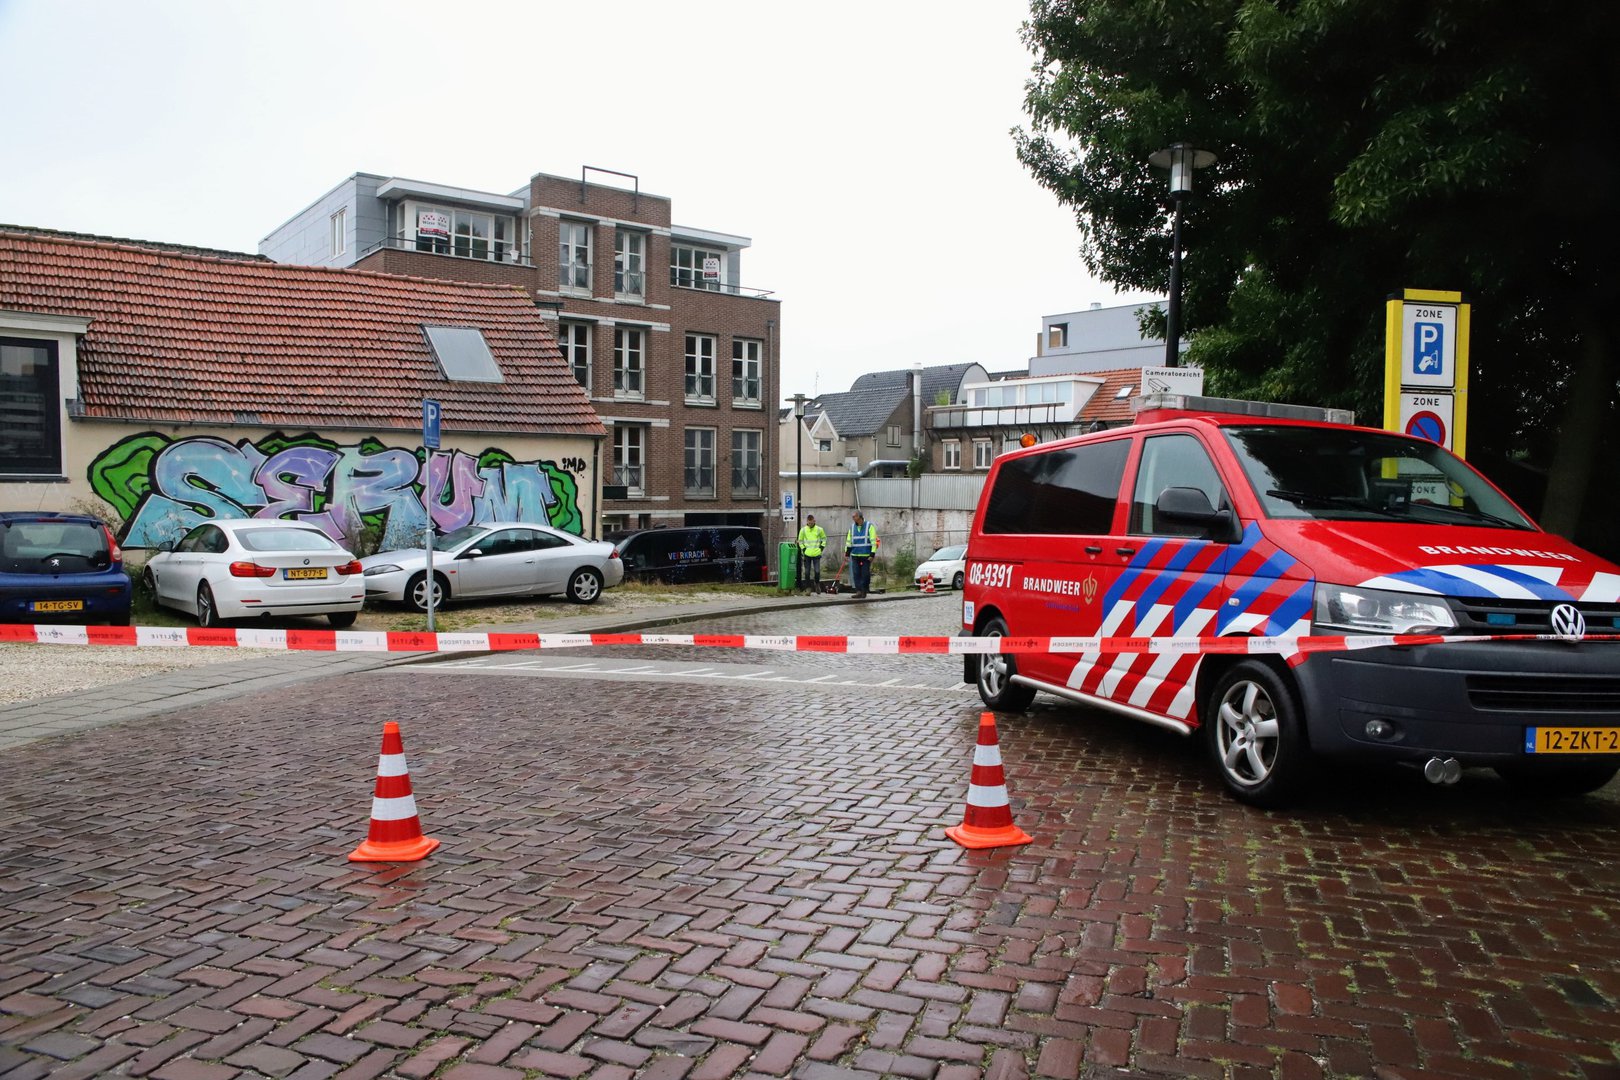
(1344, 474)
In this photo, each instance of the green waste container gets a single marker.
(787, 566)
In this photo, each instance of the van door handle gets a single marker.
(1093, 549)
(1124, 551)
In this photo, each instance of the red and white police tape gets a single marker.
(396, 641)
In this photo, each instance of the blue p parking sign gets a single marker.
(1428, 348)
(431, 412)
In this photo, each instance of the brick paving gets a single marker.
(701, 881)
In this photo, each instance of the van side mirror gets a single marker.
(1191, 506)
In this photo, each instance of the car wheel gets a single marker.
(1253, 733)
(342, 620)
(956, 582)
(207, 610)
(585, 586)
(416, 593)
(149, 582)
(1557, 781)
(995, 683)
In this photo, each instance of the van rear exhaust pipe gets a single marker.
(1442, 770)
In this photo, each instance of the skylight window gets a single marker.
(1124, 392)
(462, 354)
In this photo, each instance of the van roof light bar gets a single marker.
(1185, 403)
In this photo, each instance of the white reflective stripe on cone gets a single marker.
(986, 755)
(391, 765)
(393, 809)
(987, 796)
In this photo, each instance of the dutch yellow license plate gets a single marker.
(307, 573)
(56, 605)
(1571, 740)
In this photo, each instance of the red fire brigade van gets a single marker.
(1210, 518)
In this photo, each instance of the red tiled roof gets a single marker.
(1106, 405)
(186, 338)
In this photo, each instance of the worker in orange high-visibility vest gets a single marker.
(860, 544)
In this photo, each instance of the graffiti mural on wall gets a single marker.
(163, 487)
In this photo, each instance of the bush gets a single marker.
(899, 568)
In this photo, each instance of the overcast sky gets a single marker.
(863, 147)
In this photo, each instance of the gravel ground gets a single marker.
(29, 672)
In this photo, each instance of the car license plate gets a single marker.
(56, 605)
(1571, 740)
(307, 573)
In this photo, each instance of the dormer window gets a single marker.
(470, 234)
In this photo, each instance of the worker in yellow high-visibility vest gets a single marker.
(812, 542)
(860, 545)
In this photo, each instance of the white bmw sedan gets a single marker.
(497, 558)
(233, 569)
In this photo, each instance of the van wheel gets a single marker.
(1557, 781)
(996, 687)
(1252, 730)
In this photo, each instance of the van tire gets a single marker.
(1255, 736)
(996, 687)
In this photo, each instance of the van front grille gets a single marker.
(1545, 693)
(1478, 615)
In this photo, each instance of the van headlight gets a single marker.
(1351, 610)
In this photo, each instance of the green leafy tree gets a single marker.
(1363, 146)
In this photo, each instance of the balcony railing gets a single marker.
(726, 288)
(628, 476)
(455, 247)
(946, 417)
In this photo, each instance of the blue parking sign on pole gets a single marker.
(430, 423)
(1428, 348)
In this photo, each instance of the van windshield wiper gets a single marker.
(1303, 498)
(1470, 514)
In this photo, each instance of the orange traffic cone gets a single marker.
(396, 831)
(928, 584)
(987, 820)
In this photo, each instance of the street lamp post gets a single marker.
(798, 476)
(1181, 159)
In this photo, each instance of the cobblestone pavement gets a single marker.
(710, 880)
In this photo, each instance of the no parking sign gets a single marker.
(1426, 416)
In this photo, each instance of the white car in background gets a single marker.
(497, 558)
(237, 568)
(948, 566)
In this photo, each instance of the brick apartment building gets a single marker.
(678, 358)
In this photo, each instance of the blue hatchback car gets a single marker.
(58, 567)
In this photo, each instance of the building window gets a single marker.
(953, 453)
(700, 368)
(575, 339)
(745, 462)
(1057, 336)
(340, 232)
(700, 461)
(686, 267)
(444, 230)
(30, 408)
(891, 435)
(982, 454)
(574, 255)
(629, 258)
(629, 456)
(745, 368)
(627, 362)
(824, 445)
